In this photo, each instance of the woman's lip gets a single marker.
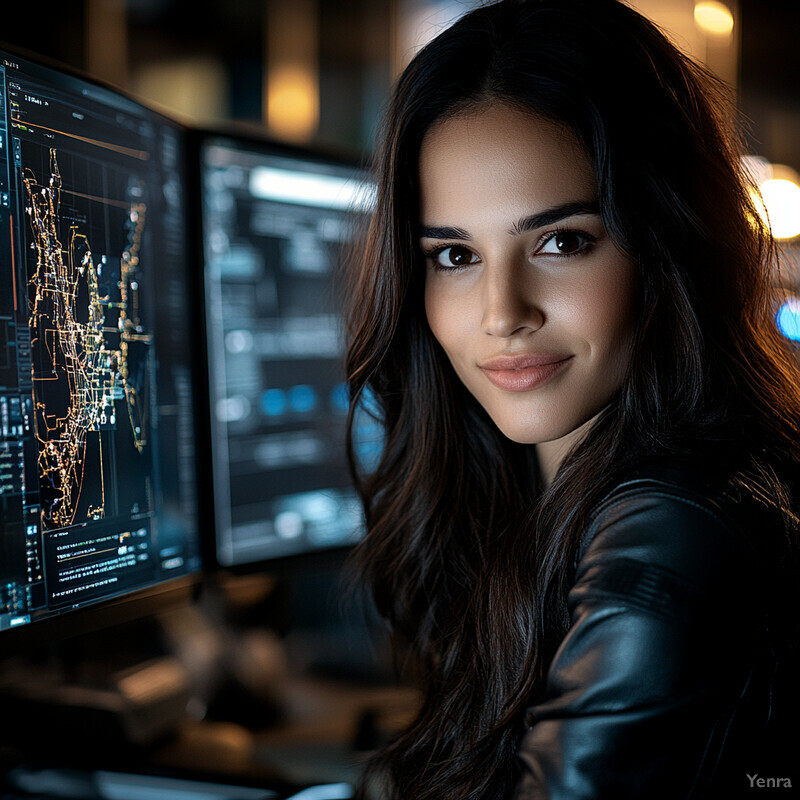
(526, 378)
(522, 361)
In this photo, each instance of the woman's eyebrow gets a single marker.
(534, 221)
(425, 232)
(555, 214)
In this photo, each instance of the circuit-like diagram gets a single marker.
(83, 324)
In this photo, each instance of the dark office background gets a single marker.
(354, 47)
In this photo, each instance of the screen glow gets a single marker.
(303, 188)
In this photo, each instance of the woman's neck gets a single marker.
(551, 454)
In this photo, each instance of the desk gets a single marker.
(313, 745)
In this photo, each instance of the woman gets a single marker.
(583, 522)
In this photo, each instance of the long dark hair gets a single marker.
(468, 554)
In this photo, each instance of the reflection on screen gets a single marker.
(275, 228)
(97, 472)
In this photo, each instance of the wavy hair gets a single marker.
(468, 555)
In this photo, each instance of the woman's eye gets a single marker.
(454, 256)
(564, 243)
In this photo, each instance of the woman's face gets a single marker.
(530, 299)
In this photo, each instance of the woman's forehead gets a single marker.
(499, 156)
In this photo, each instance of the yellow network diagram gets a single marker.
(82, 341)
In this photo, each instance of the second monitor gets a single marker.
(276, 224)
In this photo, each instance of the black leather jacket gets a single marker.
(669, 683)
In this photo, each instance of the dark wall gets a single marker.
(769, 84)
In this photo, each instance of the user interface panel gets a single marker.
(276, 227)
(97, 432)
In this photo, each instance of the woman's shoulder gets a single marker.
(671, 646)
(695, 520)
(718, 489)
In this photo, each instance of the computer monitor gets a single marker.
(276, 223)
(98, 482)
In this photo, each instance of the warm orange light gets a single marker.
(292, 103)
(713, 17)
(776, 195)
(781, 197)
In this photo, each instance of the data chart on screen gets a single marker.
(97, 466)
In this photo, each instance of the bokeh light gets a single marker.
(714, 18)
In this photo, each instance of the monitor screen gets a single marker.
(275, 227)
(97, 425)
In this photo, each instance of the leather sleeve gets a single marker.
(641, 691)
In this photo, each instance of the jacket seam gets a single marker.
(656, 488)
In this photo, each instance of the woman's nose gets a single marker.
(509, 304)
